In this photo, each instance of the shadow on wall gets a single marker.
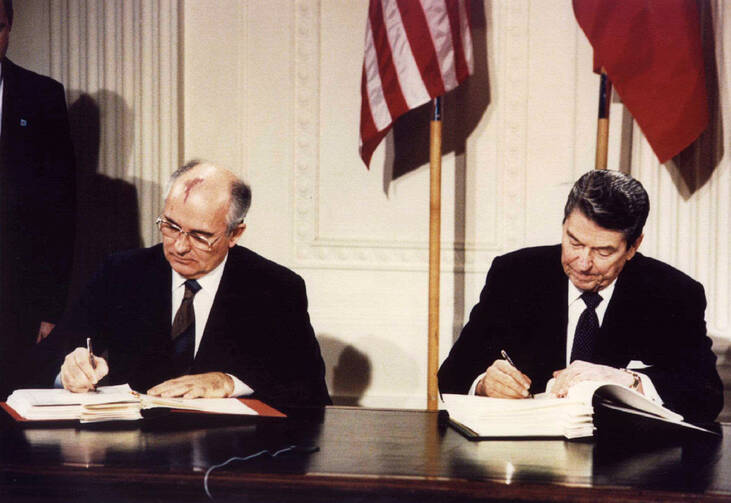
(722, 349)
(348, 370)
(693, 167)
(107, 212)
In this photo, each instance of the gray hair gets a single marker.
(612, 200)
(240, 195)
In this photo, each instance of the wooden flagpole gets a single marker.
(435, 209)
(602, 128)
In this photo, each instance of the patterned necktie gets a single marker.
(183, 330)
(587, 328)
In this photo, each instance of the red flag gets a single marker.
(414, 51)
(651, 51)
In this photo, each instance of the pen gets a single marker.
(503, 353)
(92, 362)
(505, 356)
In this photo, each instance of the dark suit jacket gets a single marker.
(37, 184)
(258, 328)
(656, 315)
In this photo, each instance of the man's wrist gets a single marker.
(636, 380)
(228, 386)
(239, 388)
(477, 384)
(479, 389)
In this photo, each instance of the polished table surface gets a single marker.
(364, 455)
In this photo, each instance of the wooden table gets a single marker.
(364, 455)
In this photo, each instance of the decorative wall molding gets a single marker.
(312, 250)
(306, 120)
(512, 136)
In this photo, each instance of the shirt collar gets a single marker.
(605, 293)
(208, 282)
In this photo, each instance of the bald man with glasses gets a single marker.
(197, 315)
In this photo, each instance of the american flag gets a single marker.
(415, 50)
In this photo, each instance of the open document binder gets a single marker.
(117, 403)
(479, 417)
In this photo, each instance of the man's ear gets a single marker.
(633, 249)
(236, 234)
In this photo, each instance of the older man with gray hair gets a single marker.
(197, 315)
(591, 308)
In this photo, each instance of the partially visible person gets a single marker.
(37, 214)
(591, 308)
(197, 315)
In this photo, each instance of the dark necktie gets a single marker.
(587, 328)
(183, 330)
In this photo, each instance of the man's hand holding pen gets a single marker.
(504, 380)
(82, 370)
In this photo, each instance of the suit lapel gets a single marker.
(15, 106)
(7, 111)
(548, 311)
(157, 306)
(559, 309)
(164, 293)
(154, 305)
(231, 297)
(615, 326)
(140, 343)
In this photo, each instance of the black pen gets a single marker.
(505, 356)
(92, 361)
(503, 353)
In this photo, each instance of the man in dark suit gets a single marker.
(246, 330)
(37, 184)
(590, 309)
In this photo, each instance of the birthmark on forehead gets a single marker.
(189, 186)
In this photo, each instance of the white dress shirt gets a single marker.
(576, 307)
(202, 304)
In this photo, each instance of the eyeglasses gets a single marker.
(197, 240)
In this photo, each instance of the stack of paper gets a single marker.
(214, 405)
(548, 416)
(500, 417)
(109, 403)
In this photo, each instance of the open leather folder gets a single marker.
(118, 403)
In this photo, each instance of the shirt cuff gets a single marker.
(473, 388)
(57, 382)
(648, 389)
(241, 389)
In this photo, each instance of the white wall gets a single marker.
(270, 88)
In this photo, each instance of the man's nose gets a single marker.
(585, 261)
(182, 243)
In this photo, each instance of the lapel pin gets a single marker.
(23, 122)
